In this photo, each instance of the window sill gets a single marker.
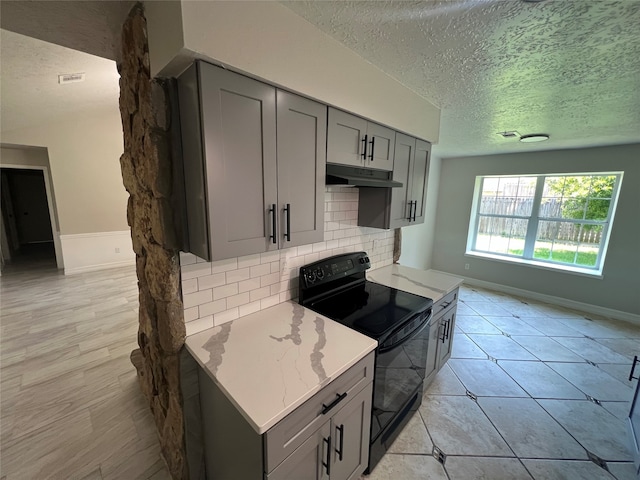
(537, 264)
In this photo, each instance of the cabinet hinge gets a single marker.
(439, 455)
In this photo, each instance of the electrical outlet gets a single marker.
(117, 250)
(466, 266)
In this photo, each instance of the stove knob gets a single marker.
(366, 259)
(310, 276)
(361, 259)
(319, 274)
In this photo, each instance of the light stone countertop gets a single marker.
(427, 283)
(272, 361)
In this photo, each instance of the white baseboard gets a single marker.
(563, 302)
(86, 252)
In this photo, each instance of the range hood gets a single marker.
(359, 177)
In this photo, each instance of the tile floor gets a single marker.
(71, 407)
(551, 400)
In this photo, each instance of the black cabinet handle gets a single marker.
(326, 408)
(341, 443)
(272, 211)
(443, 337)
(287, 234)
(445, 305)
(415, 209)
(633, 367)
(364, 148)
(372, 142)
(327, 465)
(448, 328)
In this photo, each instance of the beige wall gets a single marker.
(269, 41)
(619, 287)
(84, 152)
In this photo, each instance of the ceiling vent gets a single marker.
(70, 78)
(511, 134)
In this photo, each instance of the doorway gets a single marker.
(28, 235)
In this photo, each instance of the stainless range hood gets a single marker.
(359, 177)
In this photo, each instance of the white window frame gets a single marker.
(532, 227)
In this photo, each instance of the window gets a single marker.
(558, 221)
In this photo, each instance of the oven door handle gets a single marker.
(385, 348)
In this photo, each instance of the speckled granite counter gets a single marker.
(428, 283)
(270, 362)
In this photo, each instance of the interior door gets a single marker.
(302, 140)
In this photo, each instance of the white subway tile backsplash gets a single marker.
(225, 291)
(237, 300)
(248, 285)
(213, 307)
(260, 270)
(224, 265)
(195, 270)
(238, 275)
(249, 261)
(199, 325)
(240, 286)
(190, 285)
(226, 316)
(211, 281)
(198, 298)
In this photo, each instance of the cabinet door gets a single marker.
(420, 179)
(447, 323)
(432, 352)
(381, 147)
(306, 462)
(402, 165)
(302, 140)
(345, 138)
(239, 132)
(350, 429)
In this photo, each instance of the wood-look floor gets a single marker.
(71, 405)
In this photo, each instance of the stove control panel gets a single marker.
(333, 268)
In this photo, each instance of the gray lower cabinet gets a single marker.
(400, 206)
(352, 140)
(327, 437)
(441, 334)
(235, 159)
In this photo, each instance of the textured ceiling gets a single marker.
(569, 68)
(30, 93)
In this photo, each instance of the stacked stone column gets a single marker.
(147, 176)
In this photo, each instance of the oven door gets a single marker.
(400, 370)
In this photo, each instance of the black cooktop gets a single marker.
(370, 308)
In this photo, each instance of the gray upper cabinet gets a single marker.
(239, 167)
(352, 140)
(399, 206)
(302, 140)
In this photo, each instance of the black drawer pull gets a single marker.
(272, 211)
(326, 408)
(415, 209)
(287, 234)
(327, 465)
(445, 305)
(373, 144)
(341, 443)
(364, 148)
(633, 367)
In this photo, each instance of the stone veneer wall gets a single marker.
(221, 291)
(146, 172)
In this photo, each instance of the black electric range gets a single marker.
(337, 288)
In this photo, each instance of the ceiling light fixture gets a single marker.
(535, 137)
